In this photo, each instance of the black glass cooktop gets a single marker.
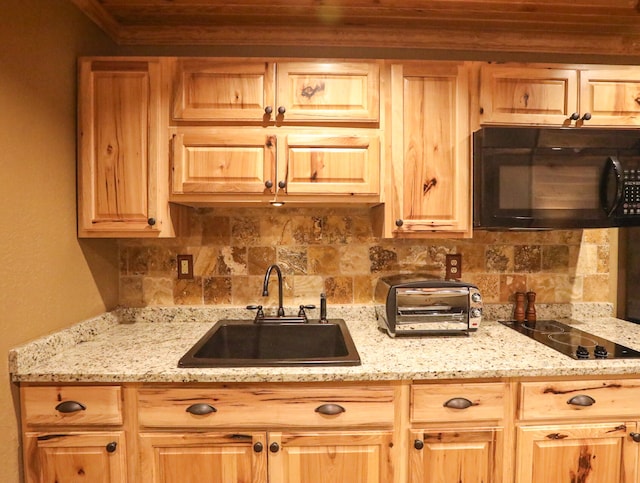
(573, 342)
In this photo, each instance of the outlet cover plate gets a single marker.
(185, 266)
(453, 266)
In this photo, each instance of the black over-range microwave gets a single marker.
(545, 177)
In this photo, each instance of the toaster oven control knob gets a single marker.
(476, 297)
(475, 312)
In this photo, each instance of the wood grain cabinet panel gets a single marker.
(71, 405)
(580, 399)
(338, 457)
(431, 151)
(269, 92)
(452, 456)
(122, 162)
(96, 457)
(457, 402)
(244, 407)
(559, 95)
(602, 453)
(203, 457)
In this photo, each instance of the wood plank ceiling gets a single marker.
(606, 27)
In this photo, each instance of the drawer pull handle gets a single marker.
(111, 447)
(201, 409)
(635, 437)
(70, 407)
(458, 403)
(330, 409)
(418, 444)
(581, 400)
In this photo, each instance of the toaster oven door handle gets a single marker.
(458, 403)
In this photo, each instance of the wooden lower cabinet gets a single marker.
(261, 457)
(214, 457)
(455, 455)
(336, 457)
(75, 457)
(598, 452)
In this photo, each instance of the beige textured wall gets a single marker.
(49, 279)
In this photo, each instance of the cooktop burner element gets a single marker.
(573, 342)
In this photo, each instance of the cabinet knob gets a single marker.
(635, 437)
(151, 221)
(282, 184)
(282, 110)
(200, 409)
(418, 444)
(581, 400)
(70, 407)
(258, 447)
(330, 409)
(399, 222)
(111, 447)
(458, 403)
(268, 110)
(274, 447)
(268, 184)
(575, 116)
(587, 116)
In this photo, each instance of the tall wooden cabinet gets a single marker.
(428, 187)
(122, 155)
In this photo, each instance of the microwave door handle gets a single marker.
(613, 168)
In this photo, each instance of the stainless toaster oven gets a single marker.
(416, 305)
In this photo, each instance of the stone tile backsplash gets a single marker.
(334, 250)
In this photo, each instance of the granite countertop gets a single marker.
(145, 345)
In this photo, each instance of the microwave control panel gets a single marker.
(631, 192)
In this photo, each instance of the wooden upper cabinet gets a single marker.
(431, 150)
(122, 165)
(247, 91)
(237, 162)
(338, 163)
(223, 90)
(560, 95)
(611, 96)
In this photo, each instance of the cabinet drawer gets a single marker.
(269, 407)
(457, 402)
(580, 399)
(72, 405)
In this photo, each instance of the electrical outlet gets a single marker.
(185, 266)
(453, 266)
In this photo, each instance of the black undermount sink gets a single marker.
(281, 342)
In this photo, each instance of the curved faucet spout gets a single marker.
(265, 286)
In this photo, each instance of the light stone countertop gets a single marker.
(145, 345)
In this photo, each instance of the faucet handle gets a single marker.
(259, 312)
(302, 313)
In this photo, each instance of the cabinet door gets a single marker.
(602, 453)
(232, 162)
(328, 92)
(611, 96)
(344, 457)
(330, 164)
(431, 158)
(120, 140)
(70, 457)
(452, 456)
(527, 95)
(203, 457)
(223, 90)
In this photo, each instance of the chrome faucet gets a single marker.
(265, 287)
